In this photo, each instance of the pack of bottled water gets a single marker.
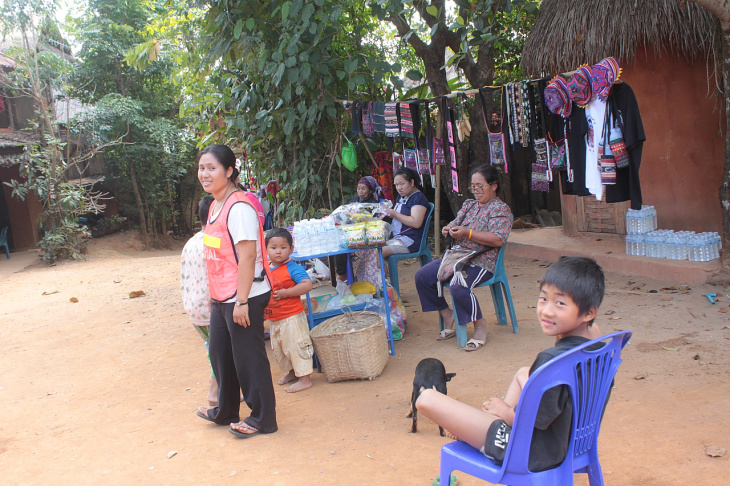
(644, 239)
(316, 236)
(679, 245)
(640, 221)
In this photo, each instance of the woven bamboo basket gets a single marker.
(353, 345)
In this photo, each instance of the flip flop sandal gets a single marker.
(204, 416)
(476, 344)
(446, 334)
(453, 481)
(242, 435)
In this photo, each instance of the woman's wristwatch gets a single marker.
(239, 304)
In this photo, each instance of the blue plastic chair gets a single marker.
(589, 375)
(4, 241)
(423, 253)
(498, 284)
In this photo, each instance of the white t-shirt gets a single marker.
(595, 115)
(243, 225)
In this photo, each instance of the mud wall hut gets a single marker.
(668, 51)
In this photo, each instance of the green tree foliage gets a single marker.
(278, 71)
(478, 38)
(140, 107)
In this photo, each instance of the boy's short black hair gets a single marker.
(579, 277)
(204, 207)
(279, 233)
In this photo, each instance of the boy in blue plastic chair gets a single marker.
(570, 293)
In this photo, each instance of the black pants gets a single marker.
(239, 360)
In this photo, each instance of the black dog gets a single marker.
(430, 373)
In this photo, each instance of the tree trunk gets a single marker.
(138, 201)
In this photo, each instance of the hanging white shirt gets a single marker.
(595, 115)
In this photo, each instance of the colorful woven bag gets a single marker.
(557, 158)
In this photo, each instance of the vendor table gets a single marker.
(318, 318)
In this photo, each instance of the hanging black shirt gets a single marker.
(622, 101)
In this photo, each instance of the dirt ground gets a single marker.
(103, 391)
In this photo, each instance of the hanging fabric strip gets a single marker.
(406, 120)
(452, 147)
(392, 129)
(526, 113)
(367, 119)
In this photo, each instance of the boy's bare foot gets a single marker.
(287, 378)
(302, 384)
(450, 435)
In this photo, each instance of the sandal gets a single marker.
(446, 334)
(243, 435)
(475, 344)
(203, 413)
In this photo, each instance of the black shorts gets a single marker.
(496, 443)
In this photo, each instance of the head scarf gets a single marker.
(579, 86)
(371, 184)
(603, 75)
(557, 98)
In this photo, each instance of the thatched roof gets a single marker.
(568, 33)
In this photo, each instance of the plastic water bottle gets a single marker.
(331, 238)
(315, 236)
(629, 244)
(632, 222)
(694, 247)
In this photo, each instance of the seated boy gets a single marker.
(570, 293)
(289, 329)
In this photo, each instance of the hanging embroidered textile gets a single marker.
(497, 155)
(579, 86)
(406, 120)
(378, 116)
(540, 171)
(397, 161)
(606, 162)
(392, 129)
(367, 119)
(446, 110)
(557, 160)
(383, 173)
(438, 152)
(526, 113)
(410, 158)
(603, 75)
(557, 97)
(539, 179)
(424, 164)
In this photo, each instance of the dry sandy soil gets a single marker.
(103, 390)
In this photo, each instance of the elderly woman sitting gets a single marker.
(482, 223)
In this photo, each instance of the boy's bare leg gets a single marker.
(302, 383)
(287, 378)
(213, 391)
(467, 423)
(512, 396)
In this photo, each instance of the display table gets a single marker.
(319, 317)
